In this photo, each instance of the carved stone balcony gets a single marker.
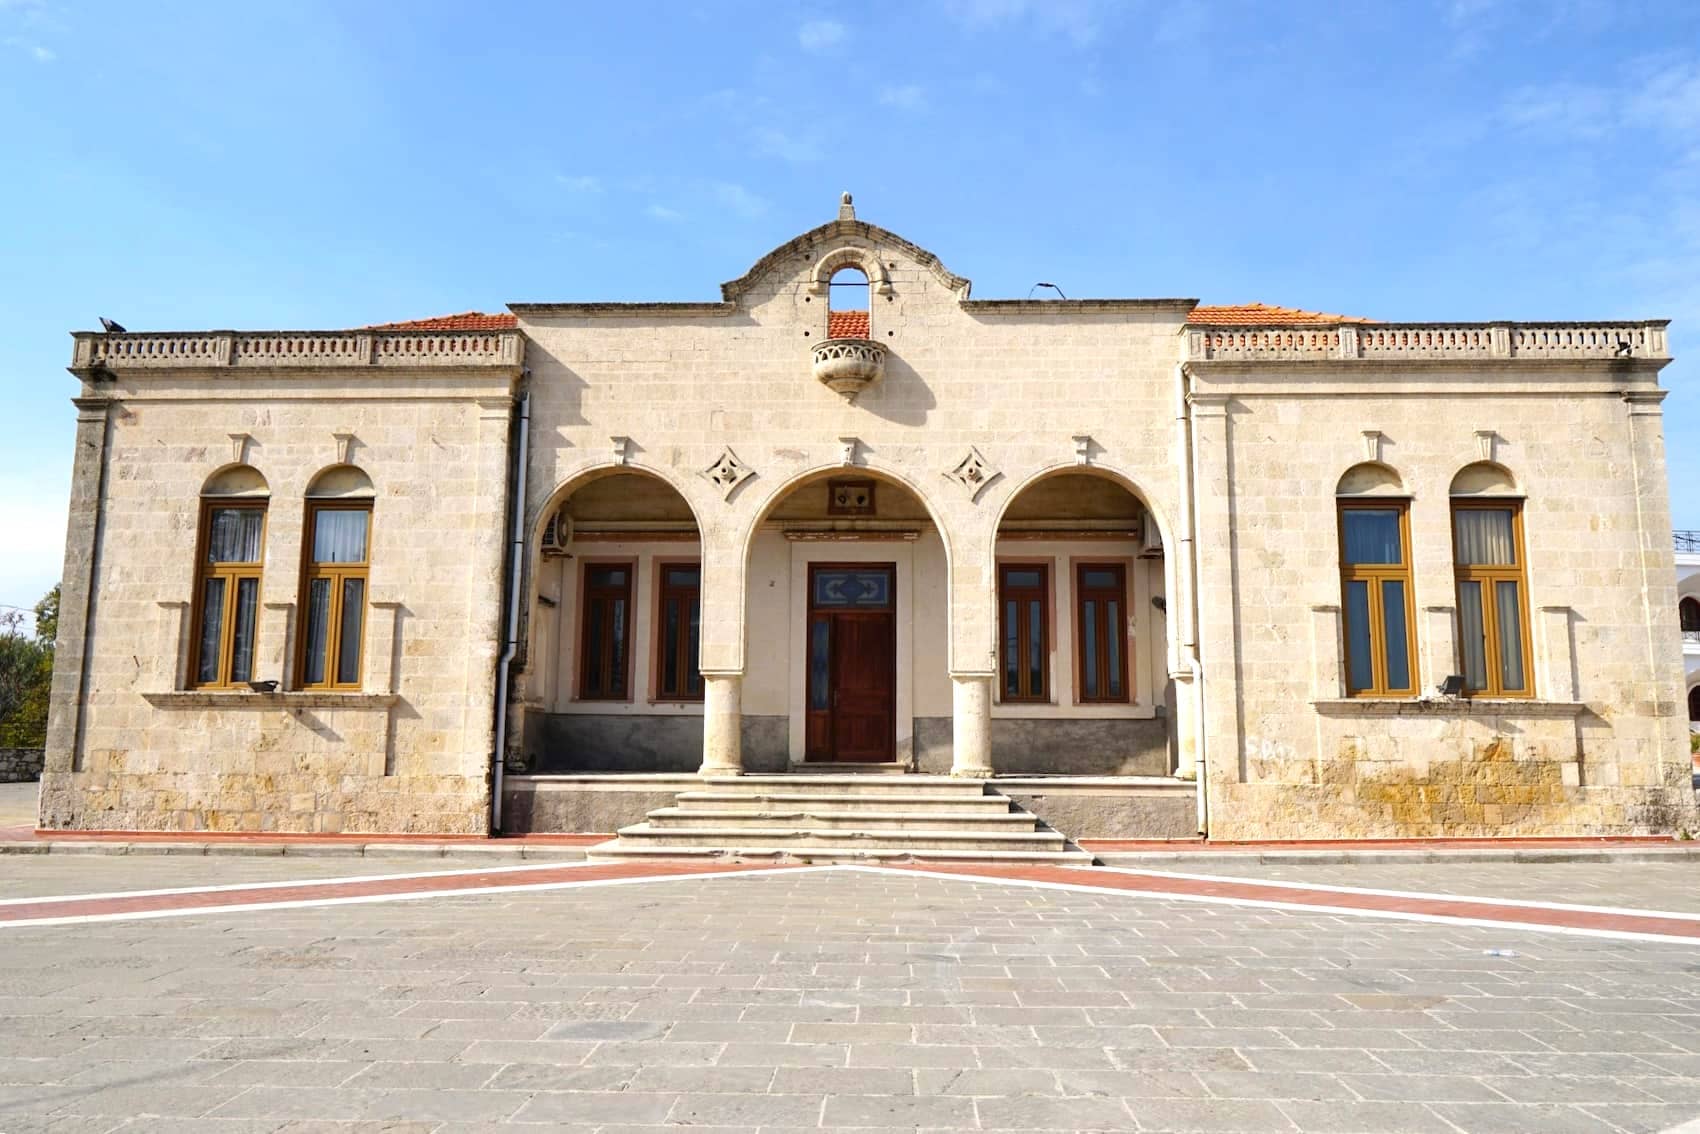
(848, 366)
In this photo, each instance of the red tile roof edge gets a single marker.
(1264, 315)
(464, 321)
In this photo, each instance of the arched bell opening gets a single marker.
(609, 678)
(1082, 629)
(847, 627)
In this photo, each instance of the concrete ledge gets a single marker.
(1447, 706)
(293, 699)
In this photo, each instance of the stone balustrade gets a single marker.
(1428, 342)
(295, 350)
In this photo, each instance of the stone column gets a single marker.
(971, 725)
(79, 585)
(722, 724)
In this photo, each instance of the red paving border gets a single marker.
(1438, 907)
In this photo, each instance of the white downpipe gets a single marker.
(1187, 560)
(510, 643)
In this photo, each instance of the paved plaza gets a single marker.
(843, 999)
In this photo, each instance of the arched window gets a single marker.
(337, 555)
(227, 577)
(847, 305)
(1488, 567)
(1375, 582)
(1689, 610)
(1694, 704)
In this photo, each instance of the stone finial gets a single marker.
(846, 211)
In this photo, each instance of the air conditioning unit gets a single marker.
(557, 534)
(1150, 539)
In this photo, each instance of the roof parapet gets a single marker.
(1442, 342)
(294, 350)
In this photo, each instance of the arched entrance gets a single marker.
(610, 681)
(1082, 676)
(846, 610)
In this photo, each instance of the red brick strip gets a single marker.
(1472, 909)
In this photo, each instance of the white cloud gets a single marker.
(906, 97)
(821, 35)
(1076, 20)
(580, 183)
(738, 199)
(663, 213)
(1667, 102)
(1567, 108)
(774, 142)
(37, 51)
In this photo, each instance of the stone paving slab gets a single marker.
(844, 1000)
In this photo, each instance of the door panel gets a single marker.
(850, 714)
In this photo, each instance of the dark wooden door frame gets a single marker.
(822, 726)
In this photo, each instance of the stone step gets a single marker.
(865, 818)
(846, 785)
(835, 768)
(617, 850)
(808, 838)
(826, 803)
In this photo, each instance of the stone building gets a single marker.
(1143, 566)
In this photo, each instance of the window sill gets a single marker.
(1446, 706)
(282, 699)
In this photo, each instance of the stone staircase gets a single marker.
(825, 818)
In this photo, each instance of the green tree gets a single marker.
(26, 674)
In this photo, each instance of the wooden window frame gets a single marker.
(658, 632)
(630, 563)
(336, 573)
(232, 573)
(1047, 630)
(1077, 567)
(1487, 577)
(1374, 575)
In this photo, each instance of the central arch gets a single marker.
(847, 623)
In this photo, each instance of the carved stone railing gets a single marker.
(295, 350)
(1429, 341)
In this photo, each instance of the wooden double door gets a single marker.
(852, 663)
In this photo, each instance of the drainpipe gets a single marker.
(1187, 560)
(510, 643)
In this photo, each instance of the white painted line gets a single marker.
(1343, 911)
(327, 880)
(405, 896)
(1690, 1127)
(1246, 880)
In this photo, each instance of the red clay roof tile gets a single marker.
(465, 321)
(1264, 315)
(847, 324)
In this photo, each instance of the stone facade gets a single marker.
(1197, 457)
(20, 765)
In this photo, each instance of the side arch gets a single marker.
(1484, 478)
(236, 480)
(1370, 478)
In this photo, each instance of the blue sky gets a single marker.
(314, 165)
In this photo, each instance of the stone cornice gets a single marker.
(1074, 306)
(629, 310)
(96, 355)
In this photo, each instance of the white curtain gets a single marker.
(235, 535)
(1482, 536)
(339, 536)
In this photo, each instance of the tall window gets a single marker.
(333, 628)
(1024, 603)
(1493, 620)
(605, 616)
(678, 678)
(1375, 583)
(1100, 607)
(228, 592)
(1689, 611)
